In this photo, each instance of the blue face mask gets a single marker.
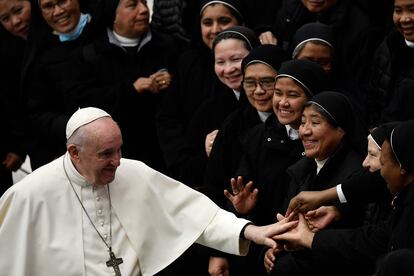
(84, 19)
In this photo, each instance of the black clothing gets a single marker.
(46, 102)
(268, 152)
(44, 66)
(226, 153)
(12, 111)
(193, 83)
(343, 164)
(360, 248)
(391, 81)
(355, 38)
(209, 116)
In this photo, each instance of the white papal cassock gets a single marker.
(45, 232)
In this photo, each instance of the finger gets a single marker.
(279, 217)
(228, 195)
(240, 185)
(234, 186)
(269, 243)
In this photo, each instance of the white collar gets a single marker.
(320, 164)
(409, 43)
(121, 41)
(292, 133)
(237, 94)
(263, 115)
(73, 174)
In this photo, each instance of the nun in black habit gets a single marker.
(263, 62)
(358, 251)
(270, 148)
(226, 152)
(335, 142)
(125, 69)
(229, 48)
(193, 83)
(56, 33)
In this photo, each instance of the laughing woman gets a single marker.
(334, 142)
(193, 83)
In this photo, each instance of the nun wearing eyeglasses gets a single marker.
(259, 67)
(382, 249)
(334, 141)
(57, 30)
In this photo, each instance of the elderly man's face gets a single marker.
(99, 158)
(132, 18)
(61, 15)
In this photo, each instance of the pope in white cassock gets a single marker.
(90, 212)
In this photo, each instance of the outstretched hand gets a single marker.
(321, 217)
(310, 200)
(244, 198)
(264, 234)
(298, 237)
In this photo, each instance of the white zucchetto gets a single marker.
(82, 117)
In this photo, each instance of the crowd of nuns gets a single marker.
(248, 102)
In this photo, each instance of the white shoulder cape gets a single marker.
(41, 225)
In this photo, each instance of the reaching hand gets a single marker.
(298, 237)
(268, 38)
(321, 217)
(218, 266)
(264, 234)
(244, 198)
(310, 200)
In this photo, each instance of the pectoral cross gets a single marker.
(114, 262)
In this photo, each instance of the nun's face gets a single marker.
(318, 6)
(132, 18)
(214, 19)
(319, 138)
(403, 17)
(61, 15)
(288, 101)
(259, 82)
(372, 160)
(15, 16)
(390, 169)
(228, 55)
(319, 53)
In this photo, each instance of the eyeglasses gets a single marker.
(265, 83)
(49, 7)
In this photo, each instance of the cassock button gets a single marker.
(98, 198)
(102, 223)
(99, 211)
(282, 141)
(269, 139)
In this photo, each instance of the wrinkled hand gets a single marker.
(244, 198)
(218, 266)
(321, 217)
(298, 237)
(12, 161)
(305, 201)
(210, 141)
(268, 38)
(154, 83)
(162, 79)
(264, 234)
